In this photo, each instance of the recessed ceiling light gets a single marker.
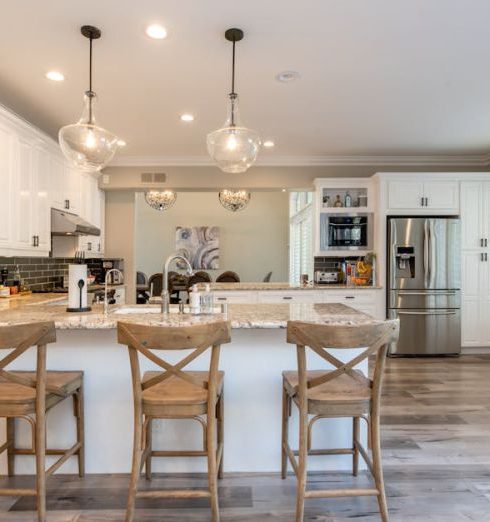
(187, 117)
(55, 76)
(288, 76)
(156, 31)
(268, 144)
(283, 190)
(121, 143)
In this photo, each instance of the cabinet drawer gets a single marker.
(235, 297)
(349, 297)
(296, 296)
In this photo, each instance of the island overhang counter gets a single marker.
(253, 363)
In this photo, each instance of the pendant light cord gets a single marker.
(90, 93)
(233, 94)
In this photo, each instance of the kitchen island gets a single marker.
(257, 354)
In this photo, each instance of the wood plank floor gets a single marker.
(436, 450)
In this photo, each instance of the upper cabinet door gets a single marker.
(442, 195)
(41, 223)
(6, 182)
(471, 215)
(24, 199)
(405, 194)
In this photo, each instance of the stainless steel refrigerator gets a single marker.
(424, 282)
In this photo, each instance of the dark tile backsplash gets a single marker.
(44, 273)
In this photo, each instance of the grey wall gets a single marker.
(253, 241)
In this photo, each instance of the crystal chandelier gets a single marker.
(87, 146)
(160, 200)
(234, 200)
(234, 148)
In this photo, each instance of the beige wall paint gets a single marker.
(252, 242)
(119, 234)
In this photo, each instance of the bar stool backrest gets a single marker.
(374, 338)
(142, 339)
(19, 338)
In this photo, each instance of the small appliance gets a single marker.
(325, 278)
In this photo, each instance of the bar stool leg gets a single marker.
(221, 431)
(302, 464)
(285, 432)
(41, 433)
(11, 446)
(378, 469)
(80, 416)
(212, 471)
(355, 439)
(149, 440)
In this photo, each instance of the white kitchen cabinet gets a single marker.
(475, 215)
(7, 217)
(363, 300)
(475, 280)
(423, 195)
(285, 297)
(235, 297)
(475, 263)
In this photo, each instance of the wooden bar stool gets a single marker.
(342, 392)
(176, 394)
(29, 396)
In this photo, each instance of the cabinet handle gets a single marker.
(482, 242)
(350, 297)
(486, 242)
(287, 297)
(67, 204)
(486, 257)
(482, 258)
(89, 246)
(35, 241)
(421, 202)
(98, 247)
(426, 202)
(222, 299)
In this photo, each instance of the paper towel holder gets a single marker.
(81, 284)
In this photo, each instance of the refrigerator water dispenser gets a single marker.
(405, 262)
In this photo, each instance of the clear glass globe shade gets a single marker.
(87, 146)
(233, 148)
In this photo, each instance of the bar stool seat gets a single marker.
(18, 399)
(171, 396)
(322, 399)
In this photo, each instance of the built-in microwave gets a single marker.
(346, 231)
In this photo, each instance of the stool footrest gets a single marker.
(174, 493)
(333, 493)
(338, 451)
(68, 453)
(14, 492)
(177, 453)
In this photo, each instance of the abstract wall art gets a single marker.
(200, 245)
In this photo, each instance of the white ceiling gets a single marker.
(378, 78)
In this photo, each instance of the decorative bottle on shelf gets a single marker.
(195, 301)
(347, 200)
(338, 203)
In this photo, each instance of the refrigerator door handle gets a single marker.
(432, 253)
(429, 293)
(426, 254)
(426, 313)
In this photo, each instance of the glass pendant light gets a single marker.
(234, 148)
(87, 146)
(160, 200)
(234, 200)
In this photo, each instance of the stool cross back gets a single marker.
(29, 396)
(176, 394)
(343, 391)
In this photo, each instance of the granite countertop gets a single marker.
(282, 286)
(241, 316)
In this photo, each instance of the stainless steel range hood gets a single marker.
(66, 224)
